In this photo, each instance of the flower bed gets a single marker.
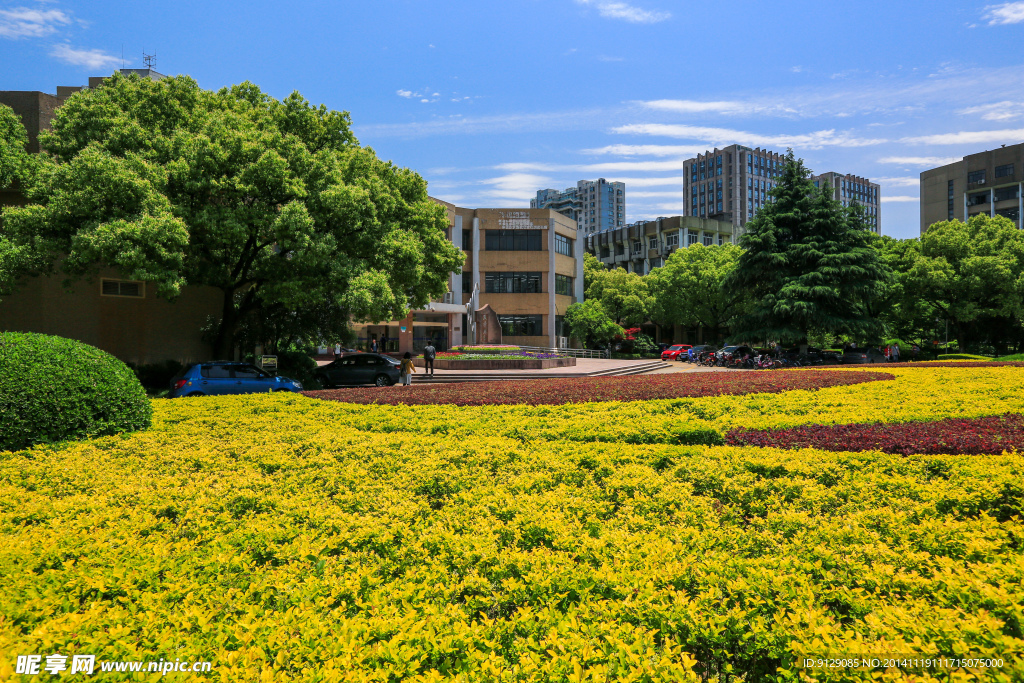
(590, 389)
(994, 435)
(499, 349)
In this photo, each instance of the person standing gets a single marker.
(915, 350)
(337, 351)
(895, 352)
(406, 369)
(428, 358)
(373, 345)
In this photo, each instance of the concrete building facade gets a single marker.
(645, 245)
(730, 184)
(595, 205)
(526, 264)
(848, 188)
(987, 182)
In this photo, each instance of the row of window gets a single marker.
(517, 240)
(520, 283)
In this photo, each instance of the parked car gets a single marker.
(359, 368)
(675, 352)
(868, 355)
(220, 377)
(732, 355)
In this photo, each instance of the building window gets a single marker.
(1003, 171)
(1004, 193)
(976, 176)
(127, 288)
(520, 325)
(563, 285)
(512, 283)
(560, 330)
(467, 240)
(605, 252)
(977, 198)
(652, 243)
(467, 282)
(1012, 213)
(708, 240)
(672, 239)
(514, 240)
(691, 239)
(563, 245)
(637, 247)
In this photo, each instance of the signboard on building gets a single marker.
(516, 220)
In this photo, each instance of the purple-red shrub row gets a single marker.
(587, 389)
(964, 364)
(974, 436)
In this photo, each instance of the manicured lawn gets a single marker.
(285, 538)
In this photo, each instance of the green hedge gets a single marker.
(962, 356)
(53, 389)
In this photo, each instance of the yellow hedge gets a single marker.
(284, 538)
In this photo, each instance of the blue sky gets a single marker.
(492, 101)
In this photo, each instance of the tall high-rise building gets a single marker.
(985, 182)
(595, 205)
(849, 188)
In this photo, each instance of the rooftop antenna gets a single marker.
(148, 59)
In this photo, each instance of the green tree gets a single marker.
(904, 313)
(593, 270)
(689, 289)
(272, 202)
(589, 323)
(16, 170)
(970, 273)
(624, 296)
(808, 263)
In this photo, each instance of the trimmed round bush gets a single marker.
(53, 389)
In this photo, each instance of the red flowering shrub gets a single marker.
(991, 435)
(589, 389)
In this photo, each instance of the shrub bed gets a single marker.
(998, 434)
(52, 389)
(591, 389)
(962, 356)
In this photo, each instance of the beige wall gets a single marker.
(146, 330)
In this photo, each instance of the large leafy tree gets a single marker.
(809, 264)
(689, 289)
(16, 170)
(589, 323)
(971, 274)
(624, 296)
(272, 202)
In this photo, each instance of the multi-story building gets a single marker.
(643, 246)
(986, 182)
(525, 264)
(852, 188)
(595, 205)
(730, 184)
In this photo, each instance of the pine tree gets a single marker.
(809, 264)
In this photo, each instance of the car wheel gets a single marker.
(324, 382)
(383, 381)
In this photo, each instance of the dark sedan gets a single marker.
(359, 368)
(868, 355)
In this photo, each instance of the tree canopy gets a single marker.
(272, 202)
(625, 297)
(589, 323)
(689, 289)
(809, 264)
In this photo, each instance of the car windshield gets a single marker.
(674, 348)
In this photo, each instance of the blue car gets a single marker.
(219, 377)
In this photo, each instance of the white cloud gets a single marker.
(23, 22)
(905, 181)
(91, 59)
(918, 161)
(725, 136)
(621, 10)
(648, 150)
(726, 107)
(978, 137)
(898, 199)
(599, 169)
(405, 93)
(997, 111)
(1007, 13)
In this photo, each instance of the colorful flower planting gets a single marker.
(982, 435)
(284, 538)
(591, 389)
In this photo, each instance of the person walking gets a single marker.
(406, 369)
(429, 352)
(337, 351)
(896, 352)
(373, 345)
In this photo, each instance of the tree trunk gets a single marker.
(224, 343)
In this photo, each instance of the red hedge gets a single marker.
(586, 389)
(986, 435)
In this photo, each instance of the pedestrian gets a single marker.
(406, 370)
(373, 345)
(896, 352)
(337, 351)
(689, 354)
(886, 352)
(916, 350)
(428, 358)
